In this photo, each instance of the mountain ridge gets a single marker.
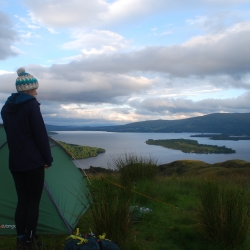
(228, 123)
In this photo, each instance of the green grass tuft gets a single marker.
(133, 168)
(224, 213)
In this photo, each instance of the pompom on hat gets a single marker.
(25, 81)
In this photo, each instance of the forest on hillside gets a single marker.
(81, 152)
(191, 146)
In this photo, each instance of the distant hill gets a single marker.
(194, 168)
(228, 123)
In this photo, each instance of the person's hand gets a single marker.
(46, 166)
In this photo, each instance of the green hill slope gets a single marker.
(200, 168)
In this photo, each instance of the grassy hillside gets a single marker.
(228, 123)
(200, 168)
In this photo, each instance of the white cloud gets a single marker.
(16, 50)
(96, 42)
(197, 19)
(52, 31)
(31, 26)
(3, 72)
(66, 13)
(26, 22)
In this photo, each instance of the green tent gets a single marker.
(65, 195)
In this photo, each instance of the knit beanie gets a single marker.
(25, 81)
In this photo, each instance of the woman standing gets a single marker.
(29, 154)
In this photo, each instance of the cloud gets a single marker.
(148, 109)
(7, 37)
(4, 72)
(52, 31)
(217, 22)
(28, 31)
(165, 106)
(110, 79)
(16, 50)
(56, 113)
(222, 54)
(66, 13)
(26, 22)
(7, 82)
(99, 13)
(96, 42)
(72, 85)
(90, 114)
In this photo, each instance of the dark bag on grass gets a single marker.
(89, 242)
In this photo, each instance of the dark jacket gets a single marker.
(26, 133)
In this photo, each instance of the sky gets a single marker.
(110, 62)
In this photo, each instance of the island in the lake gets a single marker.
(224, 137)
(81, 152)
(51, 133)
(191, 146)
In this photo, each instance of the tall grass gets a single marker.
(166, 227)
(224, 213)
(114, 196)
(134, 168)
(110, 211)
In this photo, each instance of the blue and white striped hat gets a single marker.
(25, 81)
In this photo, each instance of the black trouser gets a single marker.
(29, 187)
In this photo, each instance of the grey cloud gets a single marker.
(3, 98)
(217, 22)
(92, 88)
(7, 83)
(49, 108)
(54, 114)
(61, 121)
(61, 84)
(161, 106)
(7, 37)
(64, 13)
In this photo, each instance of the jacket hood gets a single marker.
(16, 100)
(19, 98)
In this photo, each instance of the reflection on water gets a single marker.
(117, 144)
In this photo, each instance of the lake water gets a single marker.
(117, 144)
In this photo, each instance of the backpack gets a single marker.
(89, 242)
(108, 245)
(74, 242)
